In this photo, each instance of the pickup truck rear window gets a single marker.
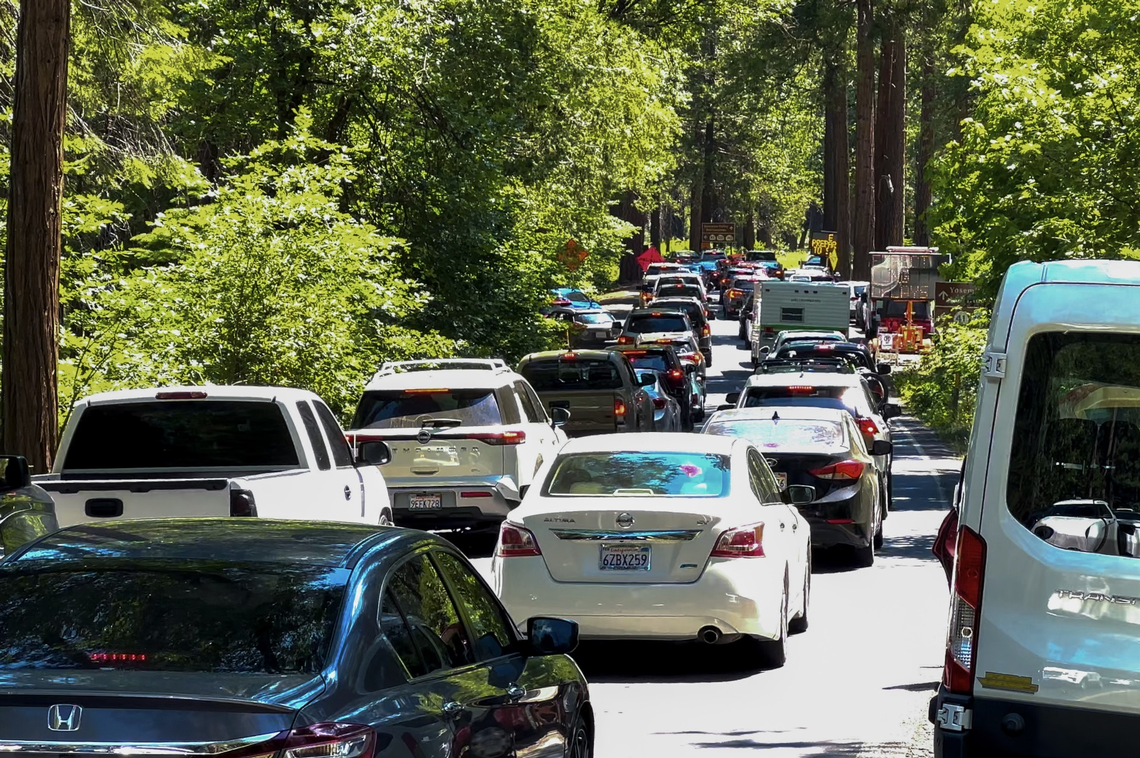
(173, 434)
(168, 616)
(649, 324)
(556, 375)
(406, 409)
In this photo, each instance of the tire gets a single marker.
(865, 556)
(580, 745)
(878, 540)
(386, 518)
(799, 624)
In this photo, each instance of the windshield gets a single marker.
(664, 322)
(851, 399)
(168, 616)
(407, 409)
(596, 318)
(784, 435)
(555, 375)
(642, 474)
(182, 434)
(759, 255)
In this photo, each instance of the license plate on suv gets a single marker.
(425, 502)
(624, 557)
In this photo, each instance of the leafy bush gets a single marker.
(942, 390)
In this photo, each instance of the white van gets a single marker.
(1043, 646)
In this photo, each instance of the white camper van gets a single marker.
(1043, 646)
(814, 306)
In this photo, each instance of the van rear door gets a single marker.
(1060, 513)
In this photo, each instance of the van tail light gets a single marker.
(508, 437)
(965, 612)
(842, 471)
(515, 542)
(741, 542)
(242, 503)
(868, 427)
(619, 408)
(328, 740)
(659, 403)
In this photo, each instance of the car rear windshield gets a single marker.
(791, 435)
(595, 318)
(851, 399)
(759, 256)
(560, 375)
(182, 434)
(640, 474)
(1077, 442)
(746, 285)
(168, 616)
(811, 351)
(646, 359)
(680, 290)
(690, 307)
(666, 322)
(406, 409)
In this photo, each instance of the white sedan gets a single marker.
(660, 537)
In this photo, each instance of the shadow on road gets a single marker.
(661, 662)
(769, 740)
(730, 380)
(915, 546)
(928, 490)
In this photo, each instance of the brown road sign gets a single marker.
(955, 296)
(718, 235)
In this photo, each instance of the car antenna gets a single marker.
(775, 415)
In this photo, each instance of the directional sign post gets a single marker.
(958, 298)
(717, 235)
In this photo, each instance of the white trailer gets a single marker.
(807, 306)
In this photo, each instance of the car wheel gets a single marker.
(580, 745)
(865, 556)
(878, 541)
(385, 518)
(799, 624)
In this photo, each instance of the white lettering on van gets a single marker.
(1097, 597)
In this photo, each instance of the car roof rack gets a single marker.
(434, 364)
(821, 365)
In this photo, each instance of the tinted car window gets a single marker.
(663, 323)
(342, 455)
(681, 290)
(431, 618)
(224, 434)
(643, 474)
(595, 318)
(488, 622)
(553, 375)
(314, 433)
(168, 615)
(405, 409)
(528, 392)
(399, 635)
(1074, 475)
(648, 360)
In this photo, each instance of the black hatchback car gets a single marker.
(274, 639)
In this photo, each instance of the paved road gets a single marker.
(855, 684)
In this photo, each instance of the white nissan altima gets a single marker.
(660, 537)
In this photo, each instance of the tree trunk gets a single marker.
(829, 189)
(695, 213)
(864, 236)
(838, 163)
(655, 227)
(28, 400)
(925, 154)
(896, 137)
(750, 231)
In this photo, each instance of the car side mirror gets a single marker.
(551, 636)
(559, 416)
(15, 473)
(891, 410)
(732, 398)
(646, 380)
(883, 369)
(373, 453)
(881, 447)
(798, 494)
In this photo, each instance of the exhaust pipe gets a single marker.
(710, 635)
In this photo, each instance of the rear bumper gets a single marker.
(827, 535)
(737, 596)
(465, 505)
(1046, 731)
(823, 514)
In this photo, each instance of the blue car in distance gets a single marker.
(568, 297)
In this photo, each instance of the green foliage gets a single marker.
(269, 283)
(942, 389)
(1046, 167)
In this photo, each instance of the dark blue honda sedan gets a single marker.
(247, 638)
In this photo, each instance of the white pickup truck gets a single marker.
(213, 451)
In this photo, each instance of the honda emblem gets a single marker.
(64, 718)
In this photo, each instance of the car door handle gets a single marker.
(347, 492)
(451, 709)
(516, 693)
(781, 526)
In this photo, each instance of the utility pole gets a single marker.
(30, 352)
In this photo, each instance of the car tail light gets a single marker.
(659, 403)
(242, 503)
(966, 603)
(315, 741)
(840, 521)
(801, 389)
(195, 395)
(625, 340)
(475, 494)
(515, 541)
(769, 330)
(842, 471)
(509, 437)
(619, 408)
(705, 330)
(868, 427)
(676, 374)
(741, 542)
(733, 293)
